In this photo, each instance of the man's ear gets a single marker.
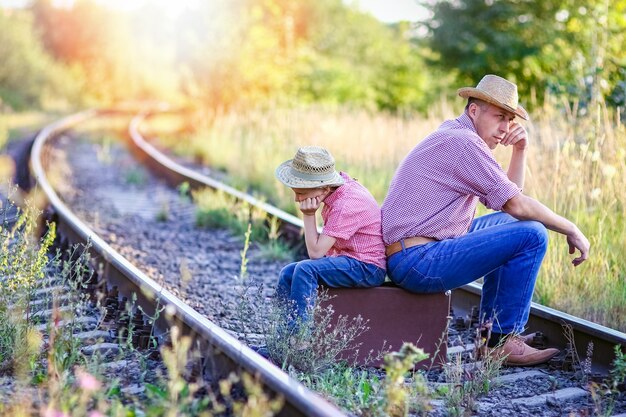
(472, 109)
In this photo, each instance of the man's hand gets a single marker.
(578, 241)
(517, 136)
(309, 206)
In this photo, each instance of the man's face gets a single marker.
(301, 194)
(491, 122)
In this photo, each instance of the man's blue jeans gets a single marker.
(298, 281)
(506, 252)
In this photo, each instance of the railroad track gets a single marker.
(224, 353)
(230, 354)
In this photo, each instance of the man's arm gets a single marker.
(517, 167)
(523, 207)
(518, 137)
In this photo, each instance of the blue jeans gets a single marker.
(506, 252)
(297, 285)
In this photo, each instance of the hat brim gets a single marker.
(285, 175)
(467, 92)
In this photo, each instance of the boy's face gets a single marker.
(301, 194)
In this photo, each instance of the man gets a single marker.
(433, 243)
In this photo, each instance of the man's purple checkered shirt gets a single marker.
(436, 188)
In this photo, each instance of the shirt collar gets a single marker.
(339, 191)
(465, 121)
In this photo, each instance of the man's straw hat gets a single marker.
(312, 167)
(497, 91)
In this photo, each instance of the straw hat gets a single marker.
(312, 167)
(497, 91)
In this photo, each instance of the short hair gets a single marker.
(480, 103)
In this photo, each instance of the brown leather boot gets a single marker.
(528, 338)
(518, 353)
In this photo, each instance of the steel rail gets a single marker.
(176, 174)
(227, 352)
(542, 318)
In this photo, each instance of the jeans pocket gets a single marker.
(400, 263)
(415, 281)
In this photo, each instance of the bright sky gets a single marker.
(385, 10)
(391, 10)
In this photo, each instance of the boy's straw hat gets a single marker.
(312, 167)
(497, 91)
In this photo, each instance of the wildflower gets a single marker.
(584, 147)
(54, 413)
(595, 193)
(95, 413)
(170, 310)
(595, 156)
(87, 381)
(609, 171)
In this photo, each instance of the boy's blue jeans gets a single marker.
(298, 281)
(506, 252)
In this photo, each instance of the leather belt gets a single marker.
(408, 243)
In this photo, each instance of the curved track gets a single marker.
(223, 352)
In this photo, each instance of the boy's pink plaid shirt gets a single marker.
(352, 216)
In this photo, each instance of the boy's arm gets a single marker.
(317, 245)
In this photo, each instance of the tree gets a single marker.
(29, 77)
(100, 46)
(322, 51)
(571, 47)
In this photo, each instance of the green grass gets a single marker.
(215, 209)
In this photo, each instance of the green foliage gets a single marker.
(397, 365)
(28, 74)
(363, 392)
(136, 176)
(216, 209)
(353, 389)
(618, 372)
(302, 51)
(572, 48)
(243, 270)
(106, 50)
(274, 248)
(62, 380)
(605, 395)
(351, 58)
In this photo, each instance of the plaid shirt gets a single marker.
(436, 188)
(352, 216)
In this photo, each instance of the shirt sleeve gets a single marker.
(482, 176)
(342, 222)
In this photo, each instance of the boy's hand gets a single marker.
(309, 206)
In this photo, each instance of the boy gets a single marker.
(350, 251)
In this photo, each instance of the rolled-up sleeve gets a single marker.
(482, 176)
